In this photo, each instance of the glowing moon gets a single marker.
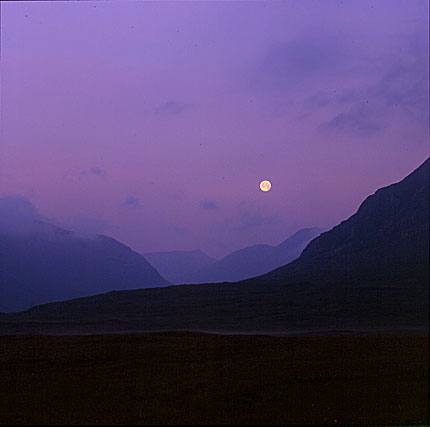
(265, 185)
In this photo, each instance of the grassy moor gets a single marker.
(196, 378)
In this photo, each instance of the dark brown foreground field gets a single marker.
(193, 378)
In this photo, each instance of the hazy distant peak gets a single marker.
(253, 260)
(17, 214)
(304, 234)
(191, 252)
(51, 263)
(173, 265)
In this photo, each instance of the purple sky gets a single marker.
(154, 122)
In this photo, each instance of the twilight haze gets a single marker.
(155, 122)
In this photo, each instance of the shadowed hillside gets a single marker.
(47, 263)
(386, 241)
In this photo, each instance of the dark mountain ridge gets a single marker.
(368, 273)
(386, 240)
(48, 263)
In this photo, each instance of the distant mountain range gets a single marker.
(174, 265)
(41, 262)
(253, 261)
(184, 267)
(48, 263)
(368, 273)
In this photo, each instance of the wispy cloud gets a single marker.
(180, 230)
(293, 61)
(400, 85)
(251, 219)
(88, 225)
(208, 205)
(17, 213)
(358, 121)
(250, 216)
(95, 171)
(132, 202)
(173, 108)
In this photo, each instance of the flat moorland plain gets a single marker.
(197, 378)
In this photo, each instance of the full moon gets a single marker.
(265, 185)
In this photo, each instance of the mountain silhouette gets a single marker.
(253, 260)
(174, 265)
(48, 263)
(368, 273)
(387, 240)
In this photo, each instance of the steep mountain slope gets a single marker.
(387, 240)
(174, 265)
(47, 263)
(254, 260)
(368, 273)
